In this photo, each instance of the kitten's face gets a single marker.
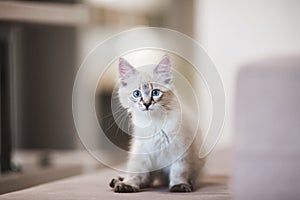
(146, 92)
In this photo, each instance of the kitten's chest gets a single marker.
(156, 136)
(154, 140)
(147, 126)
(157, 133)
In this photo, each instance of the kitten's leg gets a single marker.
(135, 181)
(179, 177)
(132, 183)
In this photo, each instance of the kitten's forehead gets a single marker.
(146, 86)
(145, 81)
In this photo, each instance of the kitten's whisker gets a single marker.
(119, 110)
(128, 126)
(111, 125)
(163, 109)
(112, 117)
(119, 113)
(125, 119)
(115, 121)
(106, 116)
(120, 125)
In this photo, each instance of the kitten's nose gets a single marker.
(147, 105)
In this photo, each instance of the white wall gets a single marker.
(235, 32)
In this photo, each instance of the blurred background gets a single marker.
(42, 44)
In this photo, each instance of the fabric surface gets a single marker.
(95, 186)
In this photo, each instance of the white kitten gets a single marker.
(163, 146)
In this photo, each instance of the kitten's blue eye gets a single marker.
(155, 93)
(137, 93)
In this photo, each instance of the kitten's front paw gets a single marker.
(124, 188)
(183, 187)
(114, 181)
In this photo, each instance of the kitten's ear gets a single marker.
(163, 70)
(126, 70)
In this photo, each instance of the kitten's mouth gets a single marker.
(147, 109)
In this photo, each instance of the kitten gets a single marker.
(163, 146)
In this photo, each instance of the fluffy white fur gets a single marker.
(163, 146)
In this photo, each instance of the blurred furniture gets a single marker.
(5, 101)
(34, 12)
(38, 66)
(267, 127)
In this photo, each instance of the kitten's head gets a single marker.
(147, 92)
